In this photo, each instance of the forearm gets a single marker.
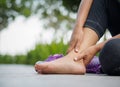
(88, 53)
(78, 32)
(100, 45)
(83, 12)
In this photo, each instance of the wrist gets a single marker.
(97, 47)
(78, 26)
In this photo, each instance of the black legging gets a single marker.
(105, 14)
(110, 57)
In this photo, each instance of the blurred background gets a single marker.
(31, 30)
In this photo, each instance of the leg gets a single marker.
(66, 64)
(110, 57)
(97, 18)
(113, 11)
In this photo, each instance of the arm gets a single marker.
(100, 45)
(83, 12)
(77, 34)
(90, 52)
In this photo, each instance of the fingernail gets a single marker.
(76, 50)
(75, 59)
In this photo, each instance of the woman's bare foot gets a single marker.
(64, 65)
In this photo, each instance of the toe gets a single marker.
(36, 68)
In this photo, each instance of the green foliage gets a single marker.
(40, 52)
(55, 12)
(9, 9)
(6, 59)
(71, 5)
(20, 59)
(52, 10)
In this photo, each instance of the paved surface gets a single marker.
(25, 76)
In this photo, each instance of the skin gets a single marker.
(78, 32)
(81, 39)
(66, 65)
(90, 52)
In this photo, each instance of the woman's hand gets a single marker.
(87, 54)
(90, 52)
(76, 40)
(77, 35)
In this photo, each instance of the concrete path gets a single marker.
(25, 76)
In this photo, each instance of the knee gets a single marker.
(111, 46)
(110, 57)
(113, 43)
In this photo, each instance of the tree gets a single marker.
(71, 5)
(9, 9)
(55, 11)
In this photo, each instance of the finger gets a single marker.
(77, 47)
(69, 49)
(81, 56)
(87, 61)
(71, 46)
